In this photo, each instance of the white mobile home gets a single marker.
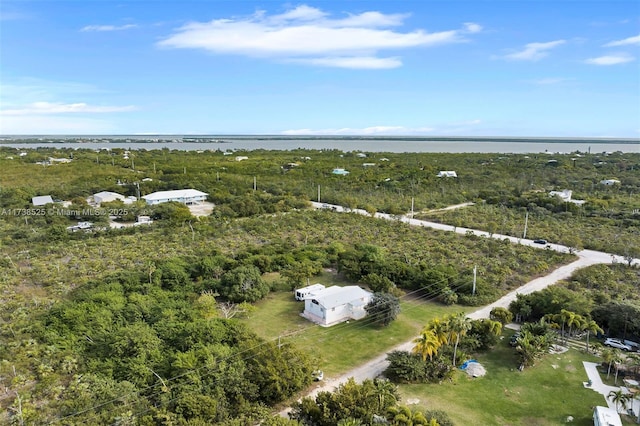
(309, 291)
(184, 196)
(605, 416)
(106, 197)
(41, 200)
(335, 304)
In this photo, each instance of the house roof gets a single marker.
(334, 296)
(41, 200)
(179, 193)
(108, 194)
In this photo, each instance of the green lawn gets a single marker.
(545, 394)
(343, 346)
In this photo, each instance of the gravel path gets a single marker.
(376, 366)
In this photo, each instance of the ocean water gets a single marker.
(346, 144)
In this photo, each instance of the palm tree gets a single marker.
(439, 328)
(386, 394)
(402, 415)
(610, 356)
(574, 321)
(619, 398)
(457, 326)
(566, 317)
(427, 344)
(590, 326)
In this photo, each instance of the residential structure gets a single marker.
(309, 291)
(609, 182)
(185, 196)
(447, 173)
(565, 195)
(105, 197)
(339, 171)
(41, 200)
(334, 305)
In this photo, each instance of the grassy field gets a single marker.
(343, 346)
(545, 394)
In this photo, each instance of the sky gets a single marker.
(353, 67)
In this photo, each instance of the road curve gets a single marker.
(375, 367)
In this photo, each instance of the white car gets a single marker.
(618, 344)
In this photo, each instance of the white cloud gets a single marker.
(472, 27)
(108, 27)
(625, 42)
(50, 125)
(534, 51)
(45, 108)
(309, 35)
(355, 62)
(610, 59)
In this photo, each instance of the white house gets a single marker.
(609, 182)
(447, 173)
(80, 226)
(335, 304)
(185, 196)
(565, 195)
(308, 291)
(41, 200)
(339, 171)
(106, 197)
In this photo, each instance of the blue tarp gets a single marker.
(466, 364)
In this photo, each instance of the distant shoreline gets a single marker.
(208, 139)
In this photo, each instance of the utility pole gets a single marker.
(318, 192)
(526, 222)
(475, 273)
(255, 183)
(411, 207)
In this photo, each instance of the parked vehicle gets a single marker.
(617, 343)
(514, 339)
(540, 241)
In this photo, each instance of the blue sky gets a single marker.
(443, 68)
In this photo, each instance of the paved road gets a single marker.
(376, 366)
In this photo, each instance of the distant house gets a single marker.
(59, 160)
(565, 195)
(447, 173)
(361, 155)
(41, 200)
(335, 304)
(241, 158)
(308, 291)
(143, 220)
(339, 171)
(185, 196)
(609, 182)
(368, 164)
(81, 226)
(106, 197)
